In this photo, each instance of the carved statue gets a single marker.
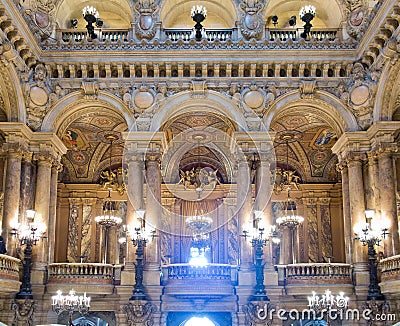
(23, 312)
(140, 314)
(198, 178)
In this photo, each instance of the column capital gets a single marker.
(352, 158)
(44, 158)
(324, 200)
(74, 201)
(16, 150)
(385, 149)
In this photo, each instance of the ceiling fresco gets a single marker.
(311, 156)
(87, 155)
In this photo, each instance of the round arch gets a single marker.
(183, 103)
(14, 103)
(114, 13)
(199, 321)
(324, 105)
(387, 93)
(73, 106)
(176, 13)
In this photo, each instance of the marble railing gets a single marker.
(390, 268)
(210, 35)
(81, 273)
(318, 273)
(294, 34)
(103, 35)
(9, 267)
(9, 274)
(210, 272)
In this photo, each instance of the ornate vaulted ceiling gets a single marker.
(311, 156)
(87, 154)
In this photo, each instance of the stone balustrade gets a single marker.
(210, 272)
(9, 274)
(93, 278)
(390, 268)
(81, 273)
(318, 273)
(211, 35)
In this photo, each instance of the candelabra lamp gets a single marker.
(327, 303)
(198, 14)
(139, 237)
(369, 234)
(258, 240)
(71, 303)
(28, 234)
(307, 14)
(90, 14)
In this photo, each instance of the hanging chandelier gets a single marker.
(289, 217)
(198, 223)
(108, 218)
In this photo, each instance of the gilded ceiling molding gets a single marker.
(213, 102)
(324, 104)
(73, 105)
(12, 94)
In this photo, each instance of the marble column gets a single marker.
(388, 200)
(373, 193)
(51, 232)
(348, 231)
(42, 204)
(153, 208)
(135, 199)
(244, 209)
(11, 194)
(263, 200)
(27, 192)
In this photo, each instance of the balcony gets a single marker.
(93, 278)
(390, 275)
(168, 38)
(301, 279)
(210, 286)
(9, 274)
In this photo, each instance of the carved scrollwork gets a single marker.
(255, 314)
(139, 313)
(146, 11)
(23, 312)
(357, 17)
(251, 22)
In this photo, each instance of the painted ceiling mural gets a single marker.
(311, 156)
(87, 155)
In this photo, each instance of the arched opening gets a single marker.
(199, 321)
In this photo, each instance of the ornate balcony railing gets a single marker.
(210, 272)
(9, 274)
(103, 35)
(390, 268)
(318, 273)
(211, 35)
(81, 273)
(294, 34)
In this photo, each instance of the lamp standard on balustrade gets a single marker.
(28, 234)
(258, 238)
(139, 237)
(370, 234)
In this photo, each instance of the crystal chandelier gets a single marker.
(90, 10)
(289, 218)
(70, 302)
(108, 218)
(198, 223)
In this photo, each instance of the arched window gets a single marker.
(199, 321)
